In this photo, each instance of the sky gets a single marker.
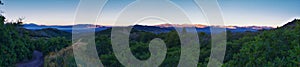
(235, 12)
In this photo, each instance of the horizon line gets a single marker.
(279, 25)
(155, 25)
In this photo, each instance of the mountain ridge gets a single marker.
(160, 28)
(163, 28)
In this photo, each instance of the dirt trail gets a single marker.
(37, 61)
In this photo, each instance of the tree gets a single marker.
(20, 21)
(2, 19)
(1, 2)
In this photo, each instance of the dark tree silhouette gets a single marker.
(2, 19)
(1, 10)
(1, 2)
(20, 21)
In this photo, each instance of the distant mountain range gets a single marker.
(154, 29)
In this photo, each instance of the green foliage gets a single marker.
(17, 46)
(50, 45)
(279, 47)
(13, 46)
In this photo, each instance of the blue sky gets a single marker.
(235, 12)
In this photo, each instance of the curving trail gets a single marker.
(37, 60)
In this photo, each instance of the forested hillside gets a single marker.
(278, 47)
(268, 48)
(17, 44)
